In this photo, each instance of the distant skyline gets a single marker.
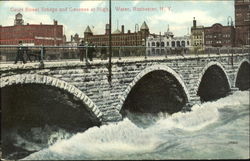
(75, 16)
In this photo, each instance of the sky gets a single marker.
(75, 16)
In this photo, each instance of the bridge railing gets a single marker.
(59, 53)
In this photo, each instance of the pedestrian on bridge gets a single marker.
(91, 50)
(20, 53)
(82, 51)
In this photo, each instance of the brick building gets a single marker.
(31, 34)
(197, 35)
(242, 22)
(218, 35)
(119, 37)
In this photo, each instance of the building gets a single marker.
(159, 44)
(197, 35)
(218, 35)
(242, 22)
(119, 37)
(74, 41)
(31, 34)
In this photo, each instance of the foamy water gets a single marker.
(213, 130)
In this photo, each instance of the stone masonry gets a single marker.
(89, 83)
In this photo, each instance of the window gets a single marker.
(157, 44)
(183, 43)
(148, 44)
(162, 44)
(167, 43)
(173, 43)
(153, 51)
(248, 16)
(188, 43)
(157, 51)
(153, 43)
(178, 43)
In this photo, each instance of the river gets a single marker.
(212, 130)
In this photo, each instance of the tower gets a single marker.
(107, 29)
(194, 23)
(144, 30)
(88, 32)
(19, 19)
(144, 27)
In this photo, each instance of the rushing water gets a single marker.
(213, 130)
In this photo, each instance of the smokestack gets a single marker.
(194, 23)
(128, 31)
(123, 29)
(107, 29)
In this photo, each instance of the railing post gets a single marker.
(218, 50)
(41, 55)
(232, 58)
(166, 53)
(119, 53)
(86, 55)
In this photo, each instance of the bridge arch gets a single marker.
(243, 62)
(148, 70)
(210, 65)
(54, 82)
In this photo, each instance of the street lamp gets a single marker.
(110, 44)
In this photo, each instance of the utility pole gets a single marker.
(160, 43)
(136, 27)
(110, 45)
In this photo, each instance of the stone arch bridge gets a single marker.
(137, 82)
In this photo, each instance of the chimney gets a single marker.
(28, 24)
(123, 29)
(128, 31)
(194, 23)
(55, 22)
(107, 29)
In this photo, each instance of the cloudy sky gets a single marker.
(76, 15)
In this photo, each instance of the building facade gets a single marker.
(242, 22)
(119, 37)
(197, 35)
(31, 34)
(159, 44)
(218, 35)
